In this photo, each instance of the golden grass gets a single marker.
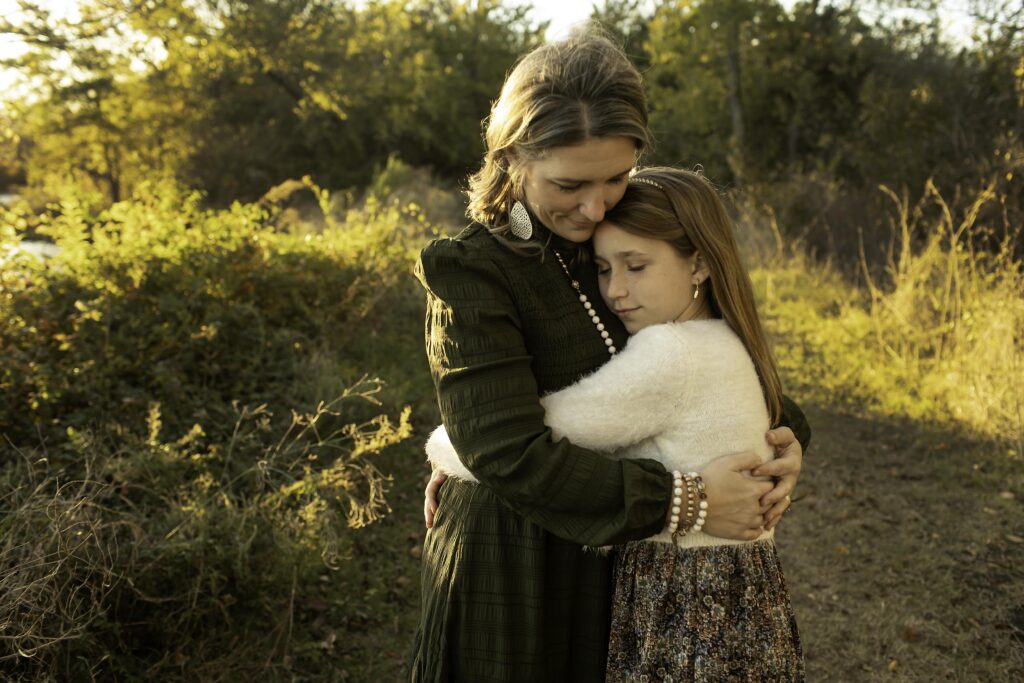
(935, 334)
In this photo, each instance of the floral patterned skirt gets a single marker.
(718, 613)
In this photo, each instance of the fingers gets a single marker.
(781, 436)
(430, 497)
(737, 462)
(783, 489)
(780, 467)
(774, 515)
(787, 463)
(428, 513)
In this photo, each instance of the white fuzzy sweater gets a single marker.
(680, 393)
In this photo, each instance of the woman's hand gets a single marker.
(789, 457)
(430, 496)
(734, 508)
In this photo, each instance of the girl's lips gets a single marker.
(624, 311)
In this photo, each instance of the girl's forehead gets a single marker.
(612, 240)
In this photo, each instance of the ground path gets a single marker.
(904, 555)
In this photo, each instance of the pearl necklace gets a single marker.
(594, 317)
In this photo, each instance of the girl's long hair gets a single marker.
(686, 211)
(561, 93)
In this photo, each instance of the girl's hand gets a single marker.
(734, 508)
(430, 496)
(785, 468)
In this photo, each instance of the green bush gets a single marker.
(188, 433)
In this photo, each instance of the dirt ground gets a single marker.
(904, 554)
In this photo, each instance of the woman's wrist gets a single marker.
(692, 485)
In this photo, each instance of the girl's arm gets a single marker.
(633, 397)
(625, 401)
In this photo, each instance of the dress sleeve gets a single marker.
(632, 397)
(490, 406)
(795, 419)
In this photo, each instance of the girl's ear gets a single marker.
(700, 269)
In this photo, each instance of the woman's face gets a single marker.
(570, 189)
(646, 281)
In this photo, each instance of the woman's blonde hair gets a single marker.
(561, 93)
(683, 209)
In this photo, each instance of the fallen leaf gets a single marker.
(894, 664)
(843, 550)
(416, 551)
(1007, 495)
(1013, 538)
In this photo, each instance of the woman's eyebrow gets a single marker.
(578, 180)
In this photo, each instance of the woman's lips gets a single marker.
(625, 311)
(583, 226)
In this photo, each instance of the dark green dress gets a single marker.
(509, 594)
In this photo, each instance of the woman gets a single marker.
(696, 380)
(509, 594)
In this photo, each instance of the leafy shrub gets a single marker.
(188, 433)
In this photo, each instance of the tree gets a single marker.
(235, 96)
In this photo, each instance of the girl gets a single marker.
(508, 593)
(696, 380)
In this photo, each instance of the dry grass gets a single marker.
(59, 555)
(936, 333)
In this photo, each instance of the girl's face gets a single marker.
(646, 281)
(570, 189)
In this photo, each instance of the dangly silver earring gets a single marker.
(519, 221)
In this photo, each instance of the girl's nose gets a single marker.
(616, 286)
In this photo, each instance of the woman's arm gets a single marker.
(795, 419)
(489, 404)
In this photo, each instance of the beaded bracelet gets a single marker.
(702, 505)
(696, 506)
(677, 500)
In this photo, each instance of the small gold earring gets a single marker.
(696, 291)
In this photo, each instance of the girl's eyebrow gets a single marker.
(632, 253)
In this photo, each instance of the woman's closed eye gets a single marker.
(575, 186)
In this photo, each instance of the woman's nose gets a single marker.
(593, 206)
